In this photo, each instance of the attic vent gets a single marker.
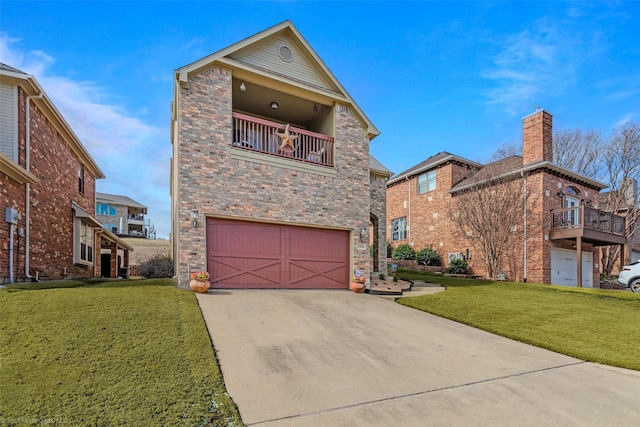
(285, 53)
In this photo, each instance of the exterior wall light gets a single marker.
(194, 217)
(274, 105)
(363, 233)
(243, 88)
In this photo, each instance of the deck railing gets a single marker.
(587, 217)
(259, 135)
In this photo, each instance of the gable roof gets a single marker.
(118, 200)
(28, 83)
(512, 167)
(377, 168)
(312, 79)
(430, 163)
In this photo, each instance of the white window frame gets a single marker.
(399, 229)
(427, 181)
(83, 235)
(81, 178)
(9, 121)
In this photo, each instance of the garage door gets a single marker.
(563, 268)
(242, 254)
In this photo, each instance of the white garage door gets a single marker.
(635, 256)
(563, 268)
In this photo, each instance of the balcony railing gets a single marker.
(259, 135)
(588, 218)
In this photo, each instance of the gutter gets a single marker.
(540, 165)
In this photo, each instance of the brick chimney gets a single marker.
(537, 137)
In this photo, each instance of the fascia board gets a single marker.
(17, 172)
(220, 56)
(30, 85)
(115, 239)
(433, 165)
(533, 167)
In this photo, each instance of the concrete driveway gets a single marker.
(336, 358)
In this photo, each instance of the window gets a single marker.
(84, 243)
(81, 178)
(105, 209)
(427, 181)
(399, 229)
(9, 121)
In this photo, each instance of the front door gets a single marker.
(573, 215)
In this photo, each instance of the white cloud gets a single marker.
(536, 62)
(133, 154)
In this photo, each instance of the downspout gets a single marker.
(27, 190)
(11, 232)
(409, 214)
(524, 185)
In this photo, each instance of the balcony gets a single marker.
(594, 226)
(262, 136)
(137, 219)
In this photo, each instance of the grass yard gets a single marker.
(112, 353)
(595, 325)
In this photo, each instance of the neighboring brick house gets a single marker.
(272, 180)
(561, 226)
(47, 181)
(123, 216)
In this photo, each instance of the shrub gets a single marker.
(389, 250)
(458, 266)
(403, 251)
(428, 256)
(382, 276)
(156, 267)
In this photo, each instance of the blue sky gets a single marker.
(432, 76)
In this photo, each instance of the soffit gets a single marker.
(15, 171)
(258, 59)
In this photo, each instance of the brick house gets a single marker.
(553, 242)
(47, 181)
(123, 216)
(272, 182)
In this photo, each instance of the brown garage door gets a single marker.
(243, 254)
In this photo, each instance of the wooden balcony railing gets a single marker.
(259, 135)
(589, 218)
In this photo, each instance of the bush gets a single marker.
(389, 250)
(156, 267)
(429, 256)
(382, 276)
(403, 251)
(458, 266)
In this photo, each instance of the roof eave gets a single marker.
(532, 167)
(32, 88)
(450, 157)
(182, 74)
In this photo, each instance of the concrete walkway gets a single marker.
(336, 358)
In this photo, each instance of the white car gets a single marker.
(630, 276)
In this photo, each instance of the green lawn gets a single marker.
(595, 325)
(113, 353)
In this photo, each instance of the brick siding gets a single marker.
(51, 216)
(211, 181)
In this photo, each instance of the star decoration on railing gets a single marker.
(287, 138)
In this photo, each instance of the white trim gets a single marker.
(240, 154)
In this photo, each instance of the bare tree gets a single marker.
(578, 151)
(621, 170)
(506, 150)
(487, 213)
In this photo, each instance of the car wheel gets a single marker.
(635, 285)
